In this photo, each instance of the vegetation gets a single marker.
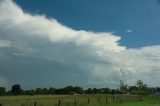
(2, 90)
(140, 88)
(137, 95)
(16, 90)
(79, 100)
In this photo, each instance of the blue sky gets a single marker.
(90, 43)
(140, 16)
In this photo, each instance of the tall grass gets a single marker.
(79, 100)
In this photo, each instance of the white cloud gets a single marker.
(4, 43)
(129, 30)
(97, 54)
(3, 81)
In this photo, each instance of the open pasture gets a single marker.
(79, 100)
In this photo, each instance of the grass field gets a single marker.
(79, 100)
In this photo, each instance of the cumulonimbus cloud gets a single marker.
(3, 81)
(96, 54)
(4, 43)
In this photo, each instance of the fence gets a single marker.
(75, 100)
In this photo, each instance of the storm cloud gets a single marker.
(40, 51)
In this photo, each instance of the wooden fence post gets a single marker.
(88, 101)
(59, 102)
(75, 102)
(106, 100)
(35, 103)
(113, 98)
(98, 100)
(118, 100)
(154, 101)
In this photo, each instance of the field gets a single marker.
(80, 100)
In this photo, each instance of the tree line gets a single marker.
(139, 88)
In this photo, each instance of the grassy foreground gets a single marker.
(79, 100)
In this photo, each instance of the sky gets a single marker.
(141, 17)
(90, 43)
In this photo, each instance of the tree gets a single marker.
(113, 92)
(78, 89)
(123, 86)
(2, 90)
(142, 88)
(16, 89)
(141, 85)
(95, 90)
(158, 89)
(106, 90)
(68, 89)
(59, 91)
(133, 89)
(38, 91)
(52, 90)
(89, 91)
(100, 90)
(45, 91)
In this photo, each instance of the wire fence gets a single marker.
(78, 100)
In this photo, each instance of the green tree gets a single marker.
(95, 90)
(113, 91)
(142, 88)
(106, 91)
(45, 91)
(38, 91)
(89, 91)
(2, 90)
(68, 89)
(28, 92)
(52, 90)
(158, 89)
(16, 89)
(123, 86)
(133, 89)
(78, 89)
(59, 91)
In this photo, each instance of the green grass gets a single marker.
(81, 100)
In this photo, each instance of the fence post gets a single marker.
(113, 98)
(75, 102)
(59, 102)
(35, 103)
(98, 100)
(118, 100)
(106, 100)
(154, 99)
(88, 101)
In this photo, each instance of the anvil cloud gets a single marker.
(36, 50)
